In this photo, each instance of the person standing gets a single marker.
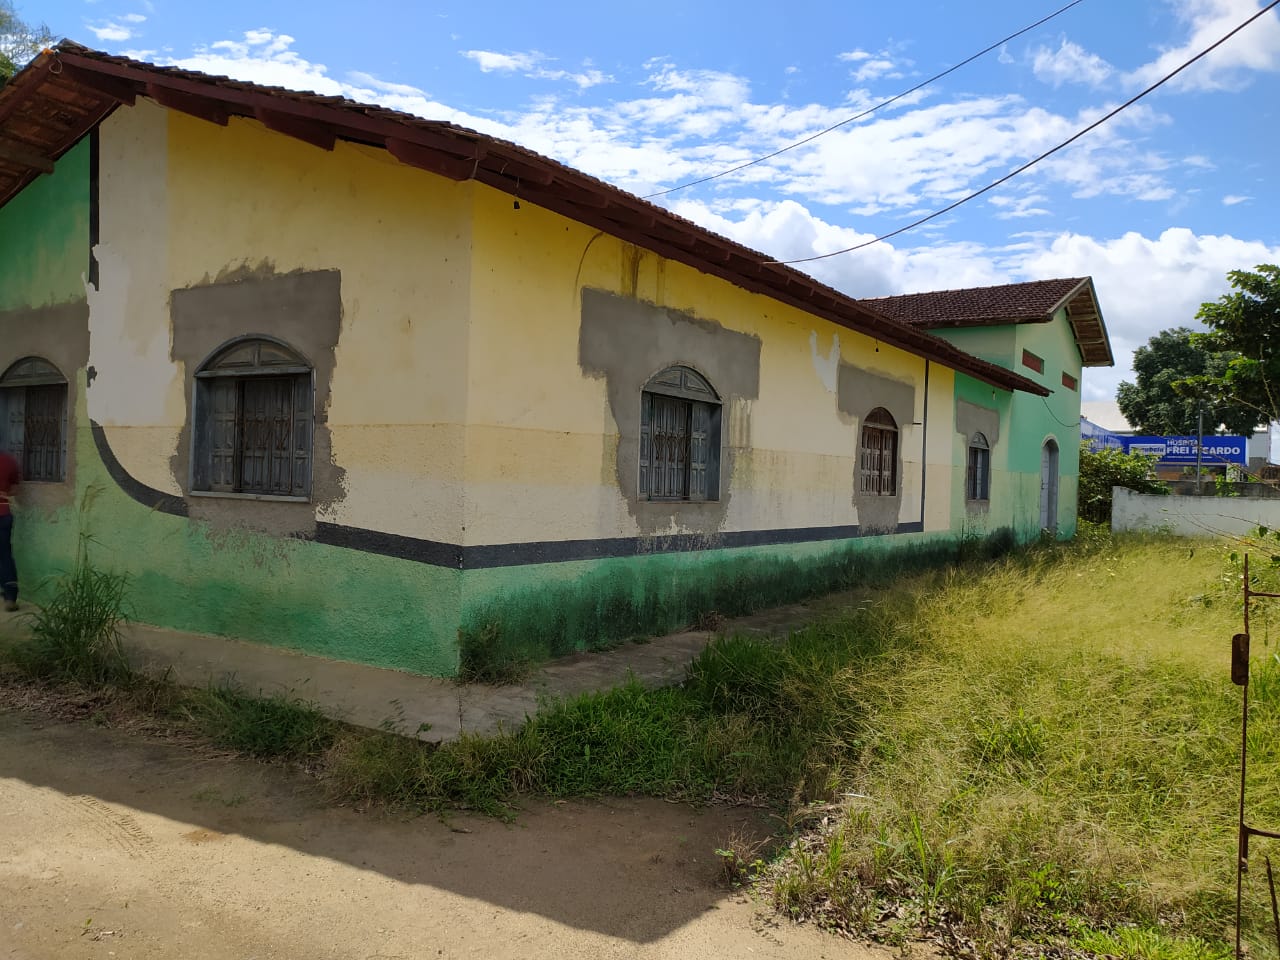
(10, 477)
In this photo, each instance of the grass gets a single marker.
(75, 634)
(1053, 740)
(1034, 754)
(276, 726)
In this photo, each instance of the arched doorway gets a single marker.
(1049, 486)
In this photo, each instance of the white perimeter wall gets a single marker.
(1191, 516)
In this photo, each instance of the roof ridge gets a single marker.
(992, 286)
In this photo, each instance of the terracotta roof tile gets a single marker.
(1030, 302)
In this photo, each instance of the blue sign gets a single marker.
(1182, 450)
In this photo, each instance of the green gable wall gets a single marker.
(44, 237)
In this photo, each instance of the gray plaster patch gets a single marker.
(626, 342)
(303, 309)
(60, 335)
(859, 392)
(974, 418)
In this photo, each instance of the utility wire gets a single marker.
(1048, 153)
(867, 112)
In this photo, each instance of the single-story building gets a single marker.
(388, 390)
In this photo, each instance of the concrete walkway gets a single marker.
(432, 708)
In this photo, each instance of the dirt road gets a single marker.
(113, 845)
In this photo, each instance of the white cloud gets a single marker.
(1256, 48)
(1145, 284)
(489, 61)
(134, 18)
(1012, 208)
(111, 31)
(269, 58)
(872, 66)
(1070, 63)
(528, 64)
(1231, 199)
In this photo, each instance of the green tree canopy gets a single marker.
(19, 41)
(1171, 371)
(1246, 323)
(1106, 468)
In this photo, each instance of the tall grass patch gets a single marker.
(75, 634)
(1055, 739)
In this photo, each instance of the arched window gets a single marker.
(33, 418)
(253, 416)
(878, 454)
(977, 484)
(679, 437)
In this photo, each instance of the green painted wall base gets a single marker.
(517, 616)
(489, 623)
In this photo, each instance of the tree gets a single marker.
(1246, 323)
(1170, 372)
(1111, 467)
(19, 41)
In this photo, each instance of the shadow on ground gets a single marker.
(631, 869)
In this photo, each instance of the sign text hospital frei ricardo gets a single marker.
(1183, 449)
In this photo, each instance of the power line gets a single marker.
(1048, 153)
(836, 126)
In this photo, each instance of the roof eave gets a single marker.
(461, 155)
(1087, 325)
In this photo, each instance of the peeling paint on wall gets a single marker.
(827, 367)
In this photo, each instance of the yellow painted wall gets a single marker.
(541, 438)
(459, 411)
(185, 202)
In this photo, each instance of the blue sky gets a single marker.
(1157, 205)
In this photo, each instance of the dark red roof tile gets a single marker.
(1030, 302)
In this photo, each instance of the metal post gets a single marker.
(1199, 448)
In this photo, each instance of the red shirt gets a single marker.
(10, 477)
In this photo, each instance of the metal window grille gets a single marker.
(33, 418)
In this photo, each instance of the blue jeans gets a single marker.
(8, 569)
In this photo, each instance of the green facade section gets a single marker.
(1001, 510)
(183, 575)
(515, 616)
(44, 236)
(1028, 421)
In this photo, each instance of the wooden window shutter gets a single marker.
(222, 426)
(699, 446)
(303, 421)
(646, 451)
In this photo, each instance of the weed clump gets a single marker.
(267, 727)
(75, 635)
